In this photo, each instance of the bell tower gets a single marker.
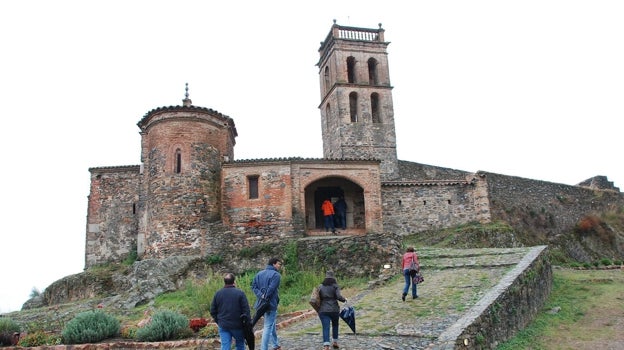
(357, 114)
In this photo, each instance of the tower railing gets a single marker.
(353, 33)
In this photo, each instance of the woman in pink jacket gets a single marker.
(409, 257)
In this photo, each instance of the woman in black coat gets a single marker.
(329, 311)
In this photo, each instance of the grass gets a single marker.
(589, 304)
(296, 286)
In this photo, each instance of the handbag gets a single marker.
(418, 278)
(315, 298)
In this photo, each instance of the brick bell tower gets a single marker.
(357, 114)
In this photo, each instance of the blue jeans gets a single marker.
(326, 318)
(226, 336)
(329, 223)
(408, 281)
(269, 332)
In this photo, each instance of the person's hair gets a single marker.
(229, 278)
(274, 261)
(329, 281)
(410, 249)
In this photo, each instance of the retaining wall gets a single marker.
(508, 307)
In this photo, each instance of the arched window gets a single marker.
(351, 69)
(353, 102)
(326, 79)
(376, 115)
(372, 72)
(178, 161)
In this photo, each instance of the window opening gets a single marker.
(326, 79)
(351, 69)
(253, 186)
(178, 161)
(372, 72)
(353, 100)
(375, 107)
(327, 116)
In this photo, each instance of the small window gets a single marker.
(372, 72)
(353, 101)
(351, 69)
(326, 79)
(253, 186)
(375, 108)
(178, 161)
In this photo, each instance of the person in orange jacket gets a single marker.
(328, 215)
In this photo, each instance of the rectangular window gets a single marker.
(253, 186)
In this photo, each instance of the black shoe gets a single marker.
(415, 296)
(403, 296)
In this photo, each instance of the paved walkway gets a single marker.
(454, 281)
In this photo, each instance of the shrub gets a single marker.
(39, 338)
(90, 327)
(606, 261)
(8, 325)
(210, 331)
(8, 328)
(165, 325)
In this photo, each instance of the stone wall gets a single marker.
(508, 307)
(111, 214)
(545, 208)
(408, 209)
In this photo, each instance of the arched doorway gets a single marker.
(334, 188)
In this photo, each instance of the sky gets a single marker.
(528, 88)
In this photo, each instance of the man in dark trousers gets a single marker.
(340, 207)
(228, 304)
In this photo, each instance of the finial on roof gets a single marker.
(334, 21)
(379, 25)
(187, 101)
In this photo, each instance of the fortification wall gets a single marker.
(545, 209)
(111, 214)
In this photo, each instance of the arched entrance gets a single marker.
(334, 188)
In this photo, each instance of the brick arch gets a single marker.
(333, 187)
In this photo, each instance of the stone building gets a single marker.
(190, 195)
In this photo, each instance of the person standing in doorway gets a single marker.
(329, 312)
(340, 207)
(227, 306)
(328, 215)
(266, 285)
(409, 257)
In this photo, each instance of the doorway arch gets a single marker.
(334, 187)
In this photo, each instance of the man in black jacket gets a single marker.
(228, 305)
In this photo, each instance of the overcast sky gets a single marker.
(526, 88)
